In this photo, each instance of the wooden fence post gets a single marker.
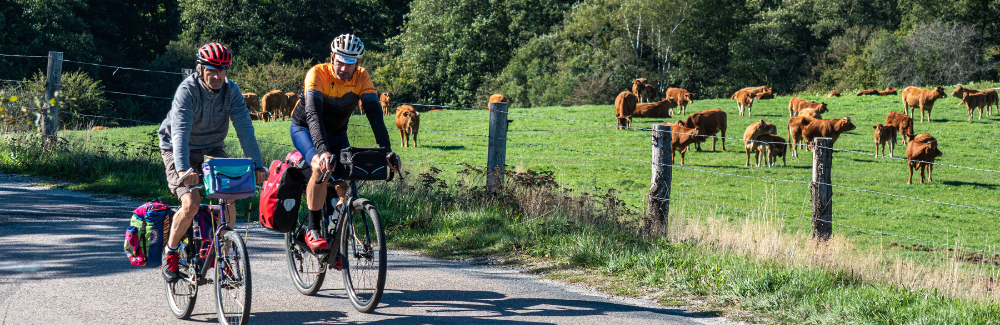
(497, 152)
(822, 192)
(657, 214)
(49, 122)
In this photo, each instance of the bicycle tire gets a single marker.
(233, 286)
(301, 266)
(181, 295)
(365, 267)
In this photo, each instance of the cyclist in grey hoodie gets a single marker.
(195, 127)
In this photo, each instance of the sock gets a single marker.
(171, 249)
(314, 219)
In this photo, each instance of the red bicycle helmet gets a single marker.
(215, 54)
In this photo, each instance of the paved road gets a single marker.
(61, 262)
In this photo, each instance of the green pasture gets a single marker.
(963, 143)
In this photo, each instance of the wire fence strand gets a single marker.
(123, 68)
(117, 92)
(25, 56)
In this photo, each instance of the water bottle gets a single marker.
(196, 229)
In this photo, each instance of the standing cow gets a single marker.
(903, 124)
(914, 97)
(796, 104)
(745, 97)
(885, 135)
(649, 93)
(624, 108)
(921, 153)
(639, 87)
(290, 100)
(808, 128)
(682, 96)
(750, 143)
(991, 98)
(708, 122)
(253, 102)
(408, 123)
(386, 100)
(681, 138)
(273, 104)
(974, 101)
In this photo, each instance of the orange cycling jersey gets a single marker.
(328, 103)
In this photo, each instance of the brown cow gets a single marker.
(754, 131)
(808, 128)
(385, 100)
(273, 104)
(888, 91)
(437, 110)
(253, 102)
(681, 137)
(797, 104)
(408, 123)
(657, 109)
(873, 92)
(257, 116)
(833, 94)
(638, 88)
(765, 95)
(744, 97)
(96, 128)
(974, 101)
(290, 100)
(775, 147)
(682, 96)
(991, 101)
(903, 124)
(709, 122)
(923, 98)
(624, 107)
(921, 153)
(810, 113)
(497, 98)
(884, 135)
(649, 93)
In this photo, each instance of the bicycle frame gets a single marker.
(203, 264)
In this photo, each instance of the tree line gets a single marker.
(536, 52)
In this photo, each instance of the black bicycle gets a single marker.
(359, 239)
(226, 254)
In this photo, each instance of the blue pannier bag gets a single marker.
(229, 178)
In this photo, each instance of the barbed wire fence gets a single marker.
(499, 112)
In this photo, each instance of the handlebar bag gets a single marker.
(364, 164)
(229, 178)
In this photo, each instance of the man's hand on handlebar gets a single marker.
(261, 175)
(324, 162)
(394, 161)
(189, 177)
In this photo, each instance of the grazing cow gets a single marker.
(253, 102)
(682, 96)
(408, 123)
(884, 135)
(810, 113)
(888, 91)
(808, 128)
(273, 104)
(754, 131)
(775, 147)
(639, 87)
(921, 153)
(681, 137)
(385, 99)
(657, 109)
(974, 101)
(797, 104)
(833, 94)
(98, 128)
(903, 124)
(624, 107)
(709, 122)
(744, 97)
(873, 92)
(991, 101)
(923, 98)
(649, 93)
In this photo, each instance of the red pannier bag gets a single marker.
(281, 196)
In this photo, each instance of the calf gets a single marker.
(273, 104)
(386, 100)
(903, 124)
(624, 107)
(888, 91)
(681, 137)
(253, 102)
(775, 147)
(797, 104)
(972, 101)
(833, 94)
(657, 109)
(745, 97)
(683, 98)
(808, 128)
(753, 132)
(639, 87)
(884, 135)
(991, 100)
(709, 122)
(408, 123)
(810, 113)
(914, 97)
(867, 92)
(921, 153)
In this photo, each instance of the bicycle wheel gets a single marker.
(306, 269)
(232, 280)
(182, 294)
(363, 244)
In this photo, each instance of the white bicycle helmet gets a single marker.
(348, 48)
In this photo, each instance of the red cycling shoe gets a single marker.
(315, 241)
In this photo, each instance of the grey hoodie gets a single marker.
(199, 119)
